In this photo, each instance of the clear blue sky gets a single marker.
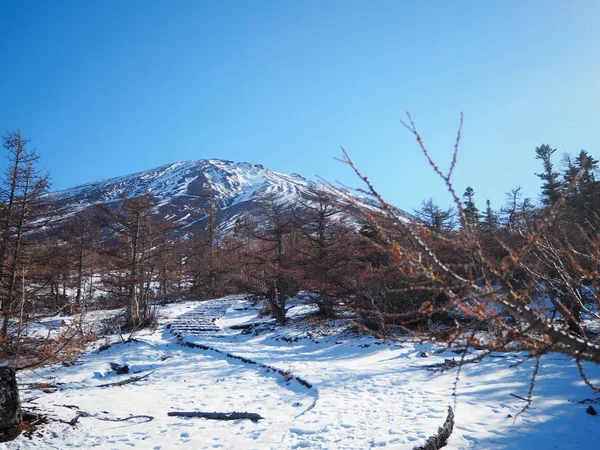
(106, 88)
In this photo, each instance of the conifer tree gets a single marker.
(489, 222)
(470, 210)
(551, 186)
(583, 201)
(586, 166)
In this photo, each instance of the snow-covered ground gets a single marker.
(331, 389)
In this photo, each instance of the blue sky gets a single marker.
(107, 88)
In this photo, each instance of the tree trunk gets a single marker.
(10, 404)
(4, 248)
(133, 306)
(79, 276)
(254, 417)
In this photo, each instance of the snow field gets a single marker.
(364, 393)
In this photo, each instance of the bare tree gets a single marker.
(204, 249)
(497, 295)
(135, 253)
(321, 222)
(435, 217)
(21, 197)
(270, 256)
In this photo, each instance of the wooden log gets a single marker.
(440, 439)
(127, 381)
(254, 417)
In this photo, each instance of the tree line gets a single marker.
(560, 232)
(446, 271)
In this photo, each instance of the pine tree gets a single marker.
(586, 166)
(551, 186)
(470, 210)
(489, 222)
(583, 200)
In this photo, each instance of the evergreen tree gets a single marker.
(583, 200)
(470, 210)
(489, 222)
(551, 186)
(586, 166)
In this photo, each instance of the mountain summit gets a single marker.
(183, 191)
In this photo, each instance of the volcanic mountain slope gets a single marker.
(183, 191)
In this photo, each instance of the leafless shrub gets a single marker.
(532, 293)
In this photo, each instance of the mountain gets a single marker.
(183, 191)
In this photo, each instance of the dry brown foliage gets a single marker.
(535, 291)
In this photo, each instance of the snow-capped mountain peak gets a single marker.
(182, 190)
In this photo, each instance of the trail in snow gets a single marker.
(370, 393)
(203, 320)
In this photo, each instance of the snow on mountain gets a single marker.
(183, 190)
